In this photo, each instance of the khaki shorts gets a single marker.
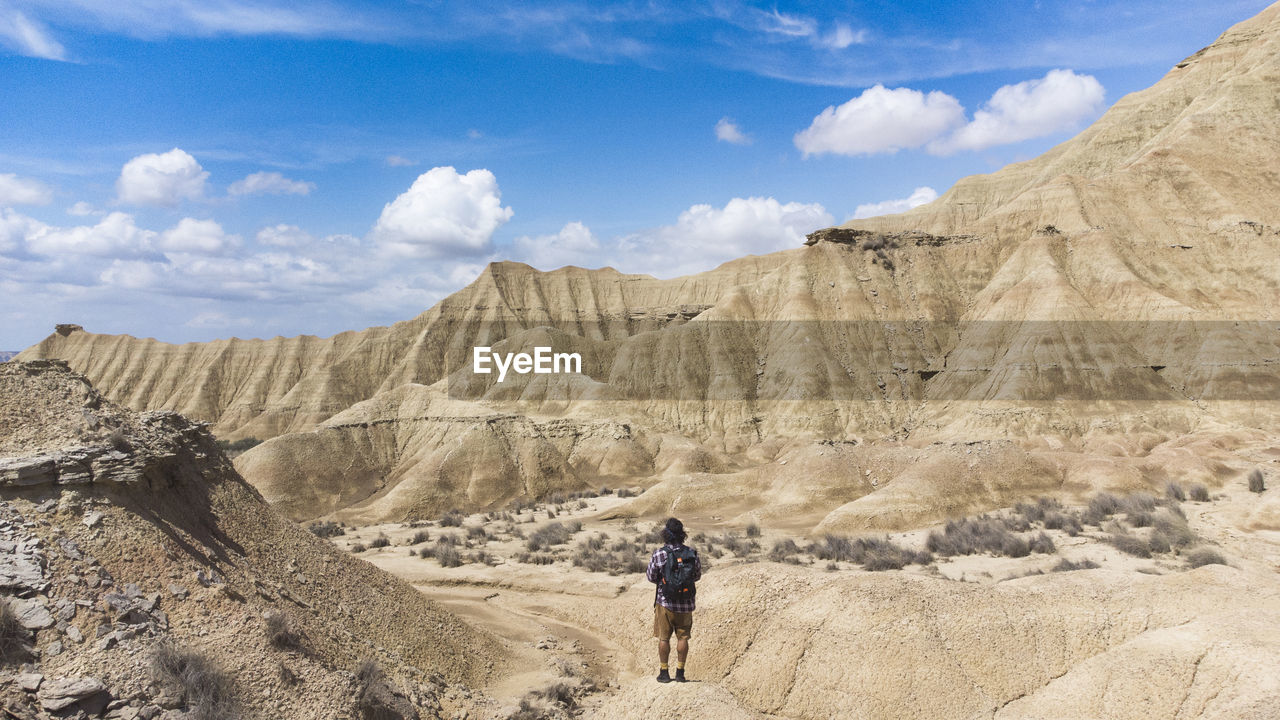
(666, 621)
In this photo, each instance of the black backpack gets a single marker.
(677, 574)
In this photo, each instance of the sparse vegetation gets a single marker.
(326, 529)
(1174, 492)
(1202, 556)
(873, 554)
(1129, 544)
(553, 533)
(205, 688)
(753, 530)
(785, 551)
(235, 446)
(977, 535)
(13, 637)
(1198, 493)
(420, 537)
(1065, 565)
(280, 631)
(380, 542)
(358, 547)
(1256, 484)
(448, 556)
(453, 518)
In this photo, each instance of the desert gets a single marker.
(1010, 452)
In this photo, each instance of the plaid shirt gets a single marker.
(654, 574)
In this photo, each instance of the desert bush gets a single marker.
(236, 446)
(1256, 483)
(832, 567)
(1138, 502)
(380, 542)
(1129, 544)
(326, 529)
(592, 544)
(535, 558)
(1201, 556)
(970, 536)
(624, 493)
(1174, 492)
(1065, 565)
(1171, 529)
(280, 631)
(740, 547)
(872, 553)
(13, 636)
(206, 689)
(553, 533)
(478, 532)
(753, 530)
(1032, 512)
(453, 518)
(1198, 493)
(1141, 518)
(358, 547)
(560, 694)
(1042, 544)
(1066, 522)
(1105, 504)
(785, 551)
(484, 557)
(420, 537)
(448, 556)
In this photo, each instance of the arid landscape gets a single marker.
(1012, 453)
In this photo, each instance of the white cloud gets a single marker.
(575, 244)
(16, 190)
(398, 161)
(728, 131)
(919, 196)
(15, 228)
(1034, 108)
(705, 236)
(81, 209)
(165, 179)
(215, 319)
(115, 236)
(204, 237)
(841, 37)
(28, 37)
(881, 121)
(284, 236)
(443, 213)
(270, 183)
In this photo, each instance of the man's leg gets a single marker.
(682, 654)
(662, 631)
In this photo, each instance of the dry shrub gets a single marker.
(326, 529)
(420, 537)
(970, 536)
(553, 533)
(873, 554)
(1199, 493)
(1174, 492)
(13, 637)
(1202, 556)
(453, 518)
(280, 631)
(205, 688)
(380, 542)
(1065, 565)
(1042, 544)
(1066, 522)
(448, 556)
(785, 551)
(1129, 544)
(1171, 529)
(753, 530)
(1256, 483)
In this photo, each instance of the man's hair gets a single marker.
(673, 532)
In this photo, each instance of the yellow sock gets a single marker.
(679, 666)
(664, 666)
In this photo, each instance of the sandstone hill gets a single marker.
(126, 536)
(1112, 299)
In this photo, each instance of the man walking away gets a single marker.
(674, 568)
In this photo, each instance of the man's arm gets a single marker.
(654, 571)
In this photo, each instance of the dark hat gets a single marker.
(673, 532)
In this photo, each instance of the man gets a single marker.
(674, 568)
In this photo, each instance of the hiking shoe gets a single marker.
(663, 677)
(680, 675)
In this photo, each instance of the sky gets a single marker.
(199, 169)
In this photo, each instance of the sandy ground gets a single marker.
(518, 601)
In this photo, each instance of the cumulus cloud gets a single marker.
(705, 236)
(443, 213)
(16, 190)
(919, 196)
(81, 209)
(1034, 108)
(284, 236)
(728, 131)
(881, 120)
(116, 235)
(15, 228)
(165, 179)
(575, 244)
(204, 237)
(270, 183)
(28, 37)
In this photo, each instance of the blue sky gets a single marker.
(189, 170)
